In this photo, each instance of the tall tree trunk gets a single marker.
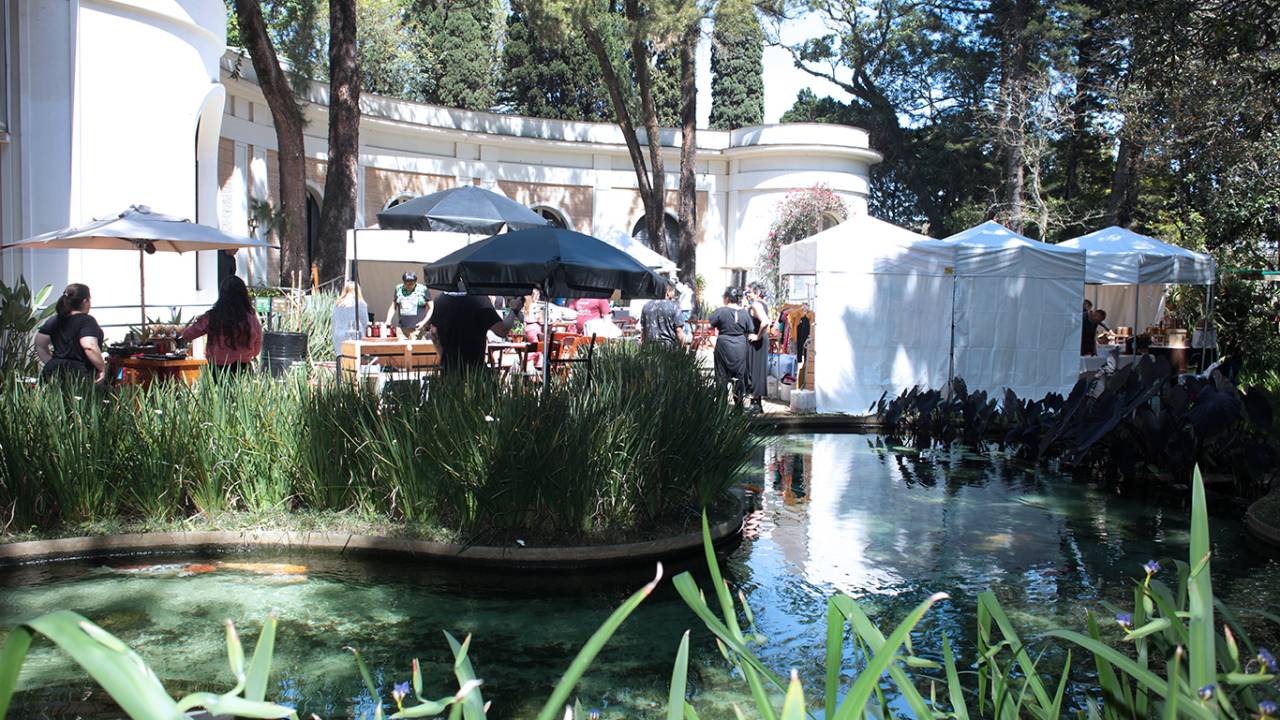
(1124, 183)
(595, 42)
(1014, 67)
(339, 212)
(1081, 105)
(687, 249)
(655, 204)
(286, 115)
(650, 185)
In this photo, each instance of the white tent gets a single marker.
(1017, 312)
(1123, 261)
(888, 300)
(1117, 256)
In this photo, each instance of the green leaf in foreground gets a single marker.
(118, 669)
(856, 701)
(260, 666)
(793, 706)
(679, 680)
(593, 647)
(1201, 648)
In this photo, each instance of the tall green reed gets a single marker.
(643, 440)
(338, 435)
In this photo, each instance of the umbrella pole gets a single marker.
(142, 288)
(355, 262)
(546, 340)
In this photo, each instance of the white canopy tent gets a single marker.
(1116, 257)
(896, 309)
(1017, 312)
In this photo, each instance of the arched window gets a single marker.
(670, 226)
(829, 220)
(556, 218)
(399, 199)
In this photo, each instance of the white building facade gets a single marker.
(110, 103)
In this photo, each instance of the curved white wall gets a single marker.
(140, 75)
(581, 169)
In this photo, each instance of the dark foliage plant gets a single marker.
(1140, 422)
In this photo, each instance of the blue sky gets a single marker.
(782, 80)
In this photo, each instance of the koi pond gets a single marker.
(832, 513)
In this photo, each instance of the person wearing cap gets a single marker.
(412, 305)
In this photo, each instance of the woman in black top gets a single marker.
(732, 324)
(757, 345)
(70, 343)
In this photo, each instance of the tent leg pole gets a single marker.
(1137, 291)
(1208, 324)
(951, 356)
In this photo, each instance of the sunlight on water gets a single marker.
(832, 513)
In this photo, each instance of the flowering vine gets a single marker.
(797, 216)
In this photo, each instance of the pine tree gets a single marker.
(666, 86)
(461, 36)
(737, 67)
(549, 77)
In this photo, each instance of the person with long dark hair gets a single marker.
(235, 335)
(69, 344)
(758, 345)
(732, 324)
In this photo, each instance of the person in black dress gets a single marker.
(758, 346)
(69, 344)
(732, 324)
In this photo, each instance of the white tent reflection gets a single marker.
(878, 525)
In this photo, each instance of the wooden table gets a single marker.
(408, 355)
(495, 350)
(143, 371)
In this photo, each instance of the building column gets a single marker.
(601, 170)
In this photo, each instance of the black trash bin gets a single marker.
(282, 350)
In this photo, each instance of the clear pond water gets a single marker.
(835, 513)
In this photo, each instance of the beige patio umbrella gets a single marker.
(139, 228)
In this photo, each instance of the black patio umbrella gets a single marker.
(466, 209)
(559, 262)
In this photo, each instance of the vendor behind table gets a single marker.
(410, 308)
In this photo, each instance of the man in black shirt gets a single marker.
(460, 327)
(662, 322)
(1089, 333)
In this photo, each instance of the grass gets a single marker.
(637, 447)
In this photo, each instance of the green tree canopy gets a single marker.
(548, 76)
(737, 66)
(463, 38)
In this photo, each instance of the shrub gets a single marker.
(20, 316)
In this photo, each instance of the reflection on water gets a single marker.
(833, 513)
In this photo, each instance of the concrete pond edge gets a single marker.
(1263, 531)
(815, 422)
(724, 532)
